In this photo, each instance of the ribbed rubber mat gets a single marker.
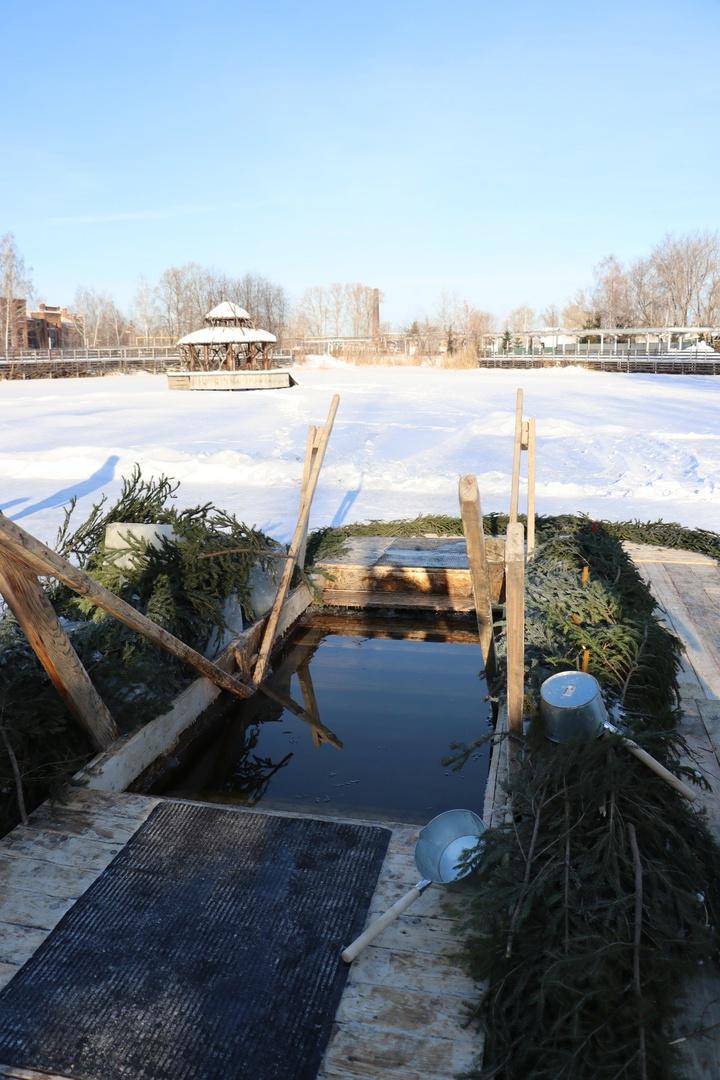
(209, 949)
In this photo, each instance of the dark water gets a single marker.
(384, 713)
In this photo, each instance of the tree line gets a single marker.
(676, 284)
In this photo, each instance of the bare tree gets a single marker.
(688, 271)
(336, 308)
(144, 308)
(16, 284)
(521, 319)
(550, 316)
(359, 300)
(266, 302)
(312, 311)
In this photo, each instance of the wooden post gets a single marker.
(300, 531)
(517, 445)
(471, 512)
(515, 623)
(29, 604)
(531, 489)
(311, 446)
(23, 547)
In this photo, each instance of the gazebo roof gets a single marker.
(226, 312)
(226, 335)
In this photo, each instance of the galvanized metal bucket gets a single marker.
(571, 706)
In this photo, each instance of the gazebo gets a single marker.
(228, 342)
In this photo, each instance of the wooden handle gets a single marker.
(379, 925)
(668, 777)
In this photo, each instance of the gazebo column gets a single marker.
(229, 358)
(251, 355)
(206, 361)
(265, 357)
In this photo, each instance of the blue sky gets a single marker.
(494, 150)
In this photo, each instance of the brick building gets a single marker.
(13, 333)
(54, 328)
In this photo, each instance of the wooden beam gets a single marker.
(515, 623)
(517, 445)
(24, 548)
(531, 489)
(29, 604)
(310, 455)
(300, 530)
(471, 512)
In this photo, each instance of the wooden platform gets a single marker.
(424, 572)
(274, 379)
(400, 1015)
(687, 588)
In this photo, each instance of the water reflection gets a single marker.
(397, 703)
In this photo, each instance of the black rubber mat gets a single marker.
(208, 949)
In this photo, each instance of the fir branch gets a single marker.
(16, 773)
(637, 937)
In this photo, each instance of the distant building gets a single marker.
(17, 337)
(54, 328)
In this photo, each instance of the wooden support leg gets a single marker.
(471, 512)
(515, 623)
(26, 599)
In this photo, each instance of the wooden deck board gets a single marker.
(687, 586)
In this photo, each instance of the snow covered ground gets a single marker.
(614, 446)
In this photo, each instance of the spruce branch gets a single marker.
(16, 770)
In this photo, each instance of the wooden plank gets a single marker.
(295, 545)
(120, 804)
(33, 909)
(427, 601)
(701, 659)
(35, 614)
(18, 943)
(407, 971)
(420, 935)
(23, 547)
(79, 823)
(49, 879)
(366, 1052)
(58, 847)
(450, 581)
(515, 623)
(471, 513)
(391, 1009)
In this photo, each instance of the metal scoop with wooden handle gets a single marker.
(440, 847)
(571, 706)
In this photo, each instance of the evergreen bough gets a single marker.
(598, 898)
(183, 593)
